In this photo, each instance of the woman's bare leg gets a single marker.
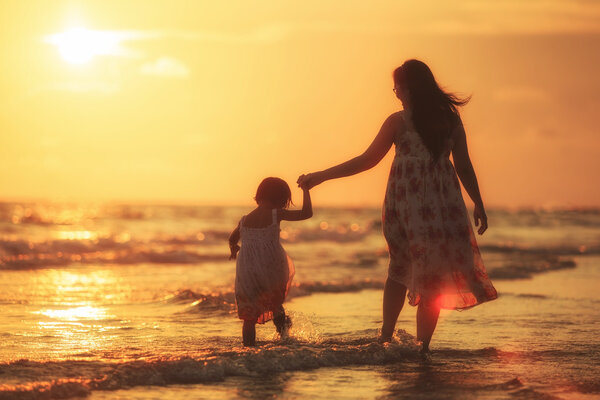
(427, 318)
(249, 333)
(394, 294)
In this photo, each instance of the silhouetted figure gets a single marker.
(433, 251)
(264, 272)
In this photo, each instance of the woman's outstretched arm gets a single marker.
(466, 173)
(367, 160)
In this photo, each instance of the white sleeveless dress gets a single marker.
(264, 272)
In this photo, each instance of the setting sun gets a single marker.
(80, 45)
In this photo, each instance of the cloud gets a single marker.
(167, 67)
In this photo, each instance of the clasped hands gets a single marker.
(308, 181)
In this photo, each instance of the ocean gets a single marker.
(125, 301)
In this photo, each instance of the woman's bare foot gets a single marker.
(382, 339)
(425, 353)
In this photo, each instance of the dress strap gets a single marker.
(274, 212)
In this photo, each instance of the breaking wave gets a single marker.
(225, 301)
(66, 379)
(75, 378)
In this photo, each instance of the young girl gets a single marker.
(264, 272)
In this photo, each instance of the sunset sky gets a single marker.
(197, 101)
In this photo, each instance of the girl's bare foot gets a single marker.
(386, 334)
(283, 323)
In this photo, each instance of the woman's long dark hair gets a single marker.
(434, 112)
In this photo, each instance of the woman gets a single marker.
(433, 252)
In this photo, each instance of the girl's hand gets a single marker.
(234, 250)
(480, 218)
(301, 181)
(308, 181)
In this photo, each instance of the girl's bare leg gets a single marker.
(249, 333)
(394, 294)
(427, 318)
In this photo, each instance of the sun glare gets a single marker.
(75, 314)
(80, 45)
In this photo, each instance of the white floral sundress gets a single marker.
(433, 251)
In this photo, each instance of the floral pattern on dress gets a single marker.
(433, 250)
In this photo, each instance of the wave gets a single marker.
(200, 303)
(64, 212)
(524, 267)
(54, 389)
(23, 254)
(308, 288)
(79, 378)
(211, 304)
(516, 263)
(558, 250)
(84, 247)
(212, 366)
(49, 235)
(343, 233)
(502, 262)
(224, 302)
(531, 296)
(550, 218)
(509, 263)
(45, 213)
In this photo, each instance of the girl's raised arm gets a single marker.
(298, 215)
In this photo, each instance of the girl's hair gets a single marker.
(275, 191)
(434, 111)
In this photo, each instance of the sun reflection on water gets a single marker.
(73, 331)
(76, 313)
(77, 235)
(81, 287)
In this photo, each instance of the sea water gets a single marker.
(136, 302)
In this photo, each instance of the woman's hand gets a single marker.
(480, 218)
(309, 181)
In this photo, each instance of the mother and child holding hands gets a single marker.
(434, 257)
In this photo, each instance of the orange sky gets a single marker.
(196, 102)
